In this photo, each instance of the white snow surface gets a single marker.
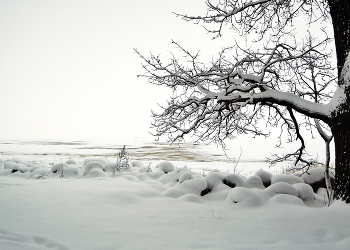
(145, 208)
(339, 96)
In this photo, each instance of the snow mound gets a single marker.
(39, 173)
(32, 167)
(234, 180)
(185, 176)
(192, 198)
(315, 177)
(265, 177)
(166, 166)
(170, 178)
(71, 171)
(167, 181)
(291, 179)
(305, 192)
(90, 165)
(144, 169)
(214, 181)
(137, 164)
(71, 161)
(281, 188)
(59, 168)
(254, 182)
(244, 196)
(110, 167)
(316, 174)
(95, 172)
(101, 160)
(193, 186)
(15, 166)
(286, 199)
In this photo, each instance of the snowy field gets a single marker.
(59, 195)
(198, 157)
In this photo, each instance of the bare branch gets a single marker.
(259, 16)
(284, 77)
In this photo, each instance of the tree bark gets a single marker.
(340, 129)
(340, 119)
(340, 11)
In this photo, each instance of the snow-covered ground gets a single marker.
(82, 204)
(91, 209)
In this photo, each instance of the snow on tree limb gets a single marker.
(339, 96)
(241, 87)
(232, 86)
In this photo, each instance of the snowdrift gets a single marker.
(89, 205)
(257, 189)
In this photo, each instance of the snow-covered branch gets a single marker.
(222, 99)
(289, 74)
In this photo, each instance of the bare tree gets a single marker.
(286, 81)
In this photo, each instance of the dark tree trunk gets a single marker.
(340, 126)
(340, 121)
(340, 11)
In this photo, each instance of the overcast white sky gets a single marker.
(67, 68)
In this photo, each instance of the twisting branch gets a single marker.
(215, 98)
(234, 92)
(297, 131)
